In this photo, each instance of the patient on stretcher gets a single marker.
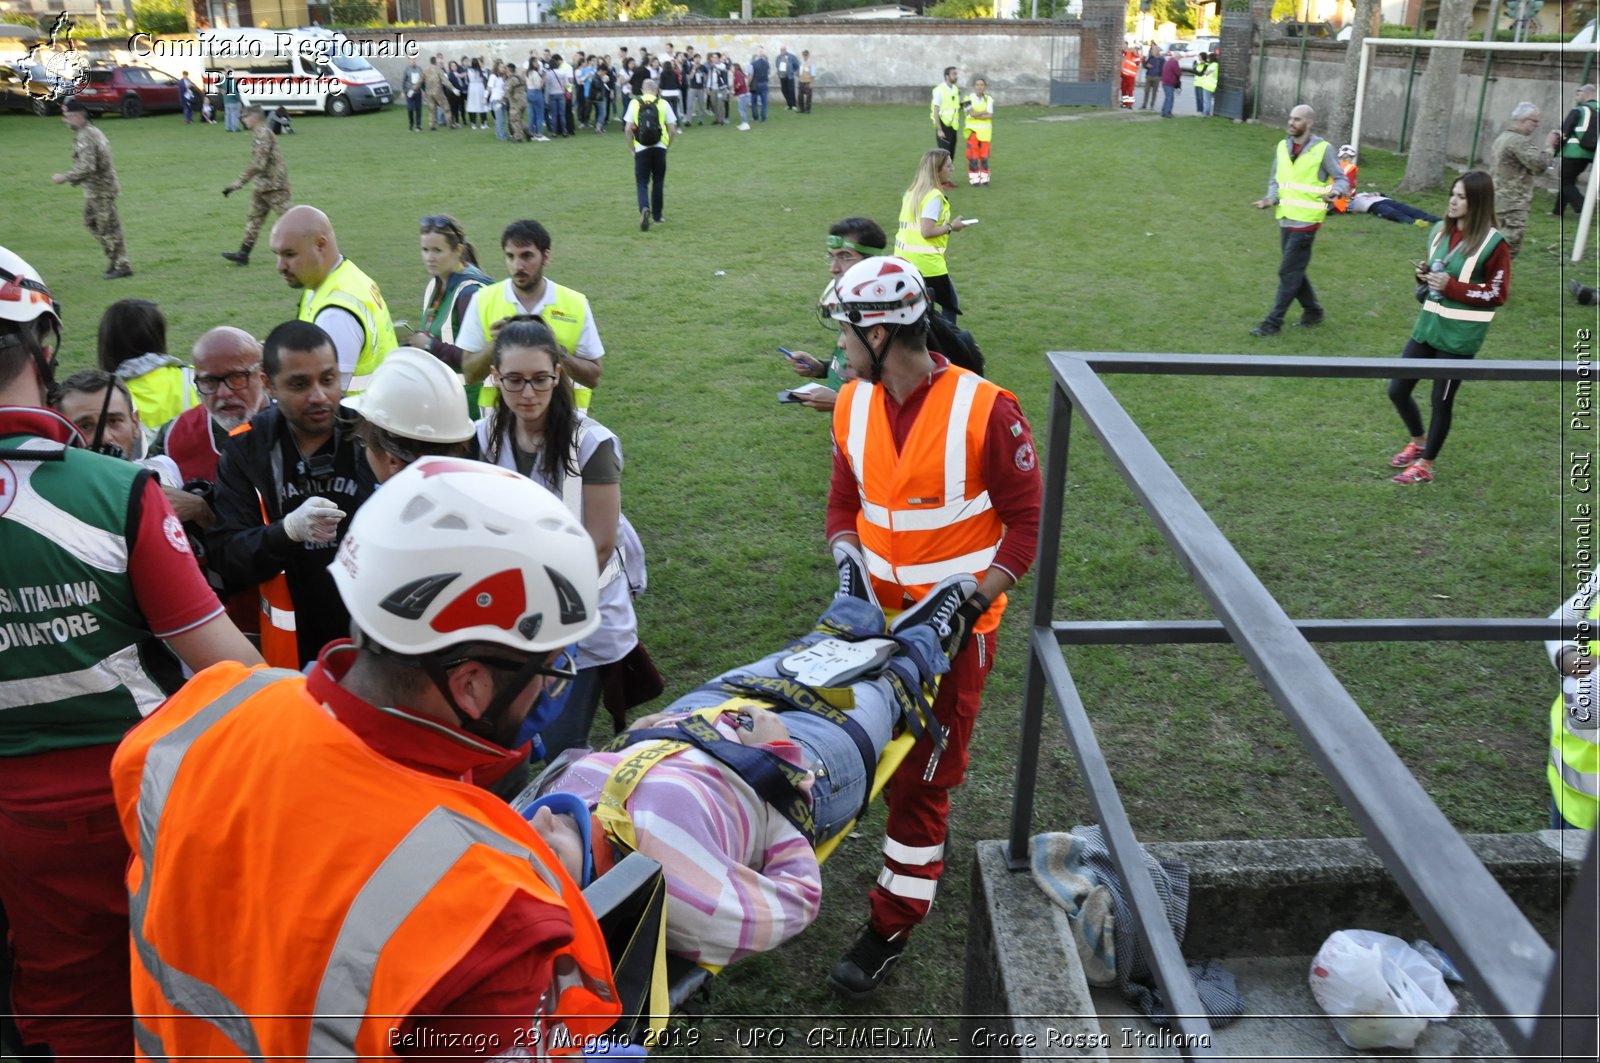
(735, 784)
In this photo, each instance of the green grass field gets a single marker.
(1099, 233)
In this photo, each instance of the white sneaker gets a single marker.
(744, 125)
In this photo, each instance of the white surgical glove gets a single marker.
(316, 521)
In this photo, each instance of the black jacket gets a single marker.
(257, 468)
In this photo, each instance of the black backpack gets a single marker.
(648, 129)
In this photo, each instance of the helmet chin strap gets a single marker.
(876, 356)
(492, 724)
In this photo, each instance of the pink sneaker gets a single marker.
(1408, 454)
(1416, 473)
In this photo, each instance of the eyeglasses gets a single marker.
(236, 381)
(441, 223)
(538, 382)
(558, 674)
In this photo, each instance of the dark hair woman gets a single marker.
(453, 277)
(133, 347)
(537, 429)
(1467, 275)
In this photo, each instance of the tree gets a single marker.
(1177, 12)
(1425, 165)
(1365, 22)
(962, 9)
(601, 10)
(758, 8)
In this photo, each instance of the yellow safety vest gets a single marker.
(350, 289)
(1574, 768)
(632, 115)
(161, 395)
(1207, 79)
(1300, 184)
(947, 104)
(924, 252)
(566, 314)
(981, 124)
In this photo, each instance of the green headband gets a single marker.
(836, 242)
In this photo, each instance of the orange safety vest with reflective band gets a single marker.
(925, 509)
(279, 640)
(258, 933)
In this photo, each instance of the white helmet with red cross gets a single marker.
(451, 551)
(878, 291)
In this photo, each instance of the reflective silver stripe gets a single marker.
(148, 1042)
(613, 569)
(955, 437)
(282, 619)
(916, 889)
(1457, 313)
(1581, 781)
(1318, 205)
(855, 447)
(183, 991)
(912, 854)
(918, 249)
(92, 546)
(934, 571)
(121, 670)
(876, 515)
(952, 512)
(386, 900)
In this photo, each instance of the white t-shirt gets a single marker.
(473, 338)
(345, 330)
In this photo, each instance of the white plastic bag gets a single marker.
(1379, 991)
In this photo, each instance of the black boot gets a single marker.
(240, 257)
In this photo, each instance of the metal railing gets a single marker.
(1506, 963)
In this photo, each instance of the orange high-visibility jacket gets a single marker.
(925, 510)
(305, 892)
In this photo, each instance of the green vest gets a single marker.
(1574, 768)
(80, 663)
(1445, 324)
(565, 314)
(924, 252)
(1573, 147)
(350, 289)
(1301, 185)
(1207, 78)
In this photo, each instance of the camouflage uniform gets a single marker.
(433, 93)
(1516, 161)
(92, 168)
(516, 102)
(271, 192)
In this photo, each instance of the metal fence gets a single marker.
(1510, 969)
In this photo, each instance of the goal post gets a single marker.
(1368, 43)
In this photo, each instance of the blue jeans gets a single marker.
(843, 779)
(650, 177)
(758, 101)
(230, 116)
(499, 110)
(555, 114)
(535, 112)
(599, 104)
(1167, 94)
(414, 111)
(744, 108)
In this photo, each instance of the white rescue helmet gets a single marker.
(24, 296)
(415, 396)
(878, 291)
(452, 551)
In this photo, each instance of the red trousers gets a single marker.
(919, 809)
(63, 862)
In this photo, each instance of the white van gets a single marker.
(297, 69)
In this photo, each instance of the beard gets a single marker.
(229, 421)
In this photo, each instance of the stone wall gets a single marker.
(1547, 81)
(888, 61)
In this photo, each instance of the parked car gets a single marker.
(21, 91)
(1210, 45)
(1188, 51)
(129, 90)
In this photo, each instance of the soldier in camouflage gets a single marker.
(1517, 159)
(271, 177)
(516, 102)
(92, 168)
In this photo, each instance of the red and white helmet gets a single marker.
(24, 297)
(451, 551)
(878, 291)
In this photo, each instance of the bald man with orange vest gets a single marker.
(934, 476)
